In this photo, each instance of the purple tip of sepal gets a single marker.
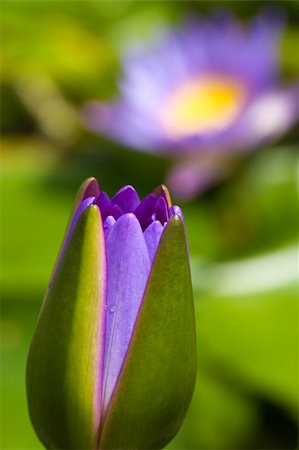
(128, 268)
(144, 210)
(162, 191)
(127, 199)
(152, 236)
(87, 202)
(92, 189)
(160, 211)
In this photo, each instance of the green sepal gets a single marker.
(63, 368)
(157, 380)
(89, 188)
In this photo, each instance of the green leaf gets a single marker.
(157, 379)
(63, 366)
(263, 358)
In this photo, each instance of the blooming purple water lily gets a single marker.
(207, 90)
(112, 362)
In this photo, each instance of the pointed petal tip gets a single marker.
(126, 198)
(89, 188)
(91, 180)
(126, 188)
(128, 218)
(176, 210)
(162, 191)
(92, 187)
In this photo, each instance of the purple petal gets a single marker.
(117, 120)
(127, 199)
(162, 191)
(128, 267)
(270, 115)
(160, 211)
(152, 237)
(104, 203)
(108, 224)
(176, 210)
(116, 212)
(145, 209)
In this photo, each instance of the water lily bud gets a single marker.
(112, 362)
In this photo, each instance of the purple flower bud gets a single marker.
(114, 351)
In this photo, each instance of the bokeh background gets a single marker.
(243, 231)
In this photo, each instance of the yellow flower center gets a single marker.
(202, 105)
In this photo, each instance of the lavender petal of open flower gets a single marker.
(208, 86)
(116, 329)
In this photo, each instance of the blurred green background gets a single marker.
(243, 233)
